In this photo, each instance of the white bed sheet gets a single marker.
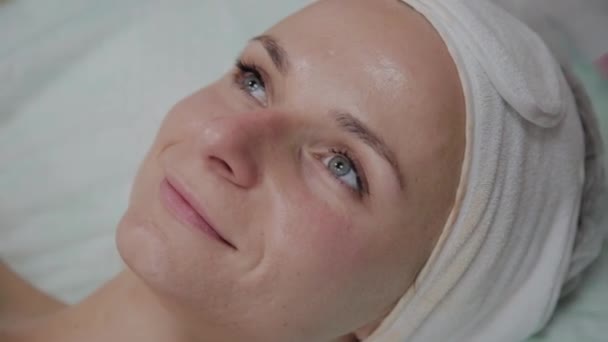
(83, 87)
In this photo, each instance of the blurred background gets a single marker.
(84, 85)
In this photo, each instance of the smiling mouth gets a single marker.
(181, 207)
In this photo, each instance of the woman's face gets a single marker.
(328, 158)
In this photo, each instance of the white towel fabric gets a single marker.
(525, 220)
(571, 27)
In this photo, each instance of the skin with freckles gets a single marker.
(329, 160)
(312, 259)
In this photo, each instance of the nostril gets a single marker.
(233, 166)
(222, 164)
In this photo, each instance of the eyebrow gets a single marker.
(354, 126)
(277, 54)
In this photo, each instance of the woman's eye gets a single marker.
(249, 79)
(255, 87)
(343, 168)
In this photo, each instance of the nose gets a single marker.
(233, 146)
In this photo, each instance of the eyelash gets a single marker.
(246, 67)
(361, 182)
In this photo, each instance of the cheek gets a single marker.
(331, 264)
(186, 118)
(331, 239)
(322, 240)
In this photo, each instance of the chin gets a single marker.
(143, 247)
(171, 260)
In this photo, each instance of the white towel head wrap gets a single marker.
(524, 222)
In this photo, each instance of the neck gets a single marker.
(124, 309)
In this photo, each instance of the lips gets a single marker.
(181, 204)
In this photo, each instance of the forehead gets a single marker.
(380, 60)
